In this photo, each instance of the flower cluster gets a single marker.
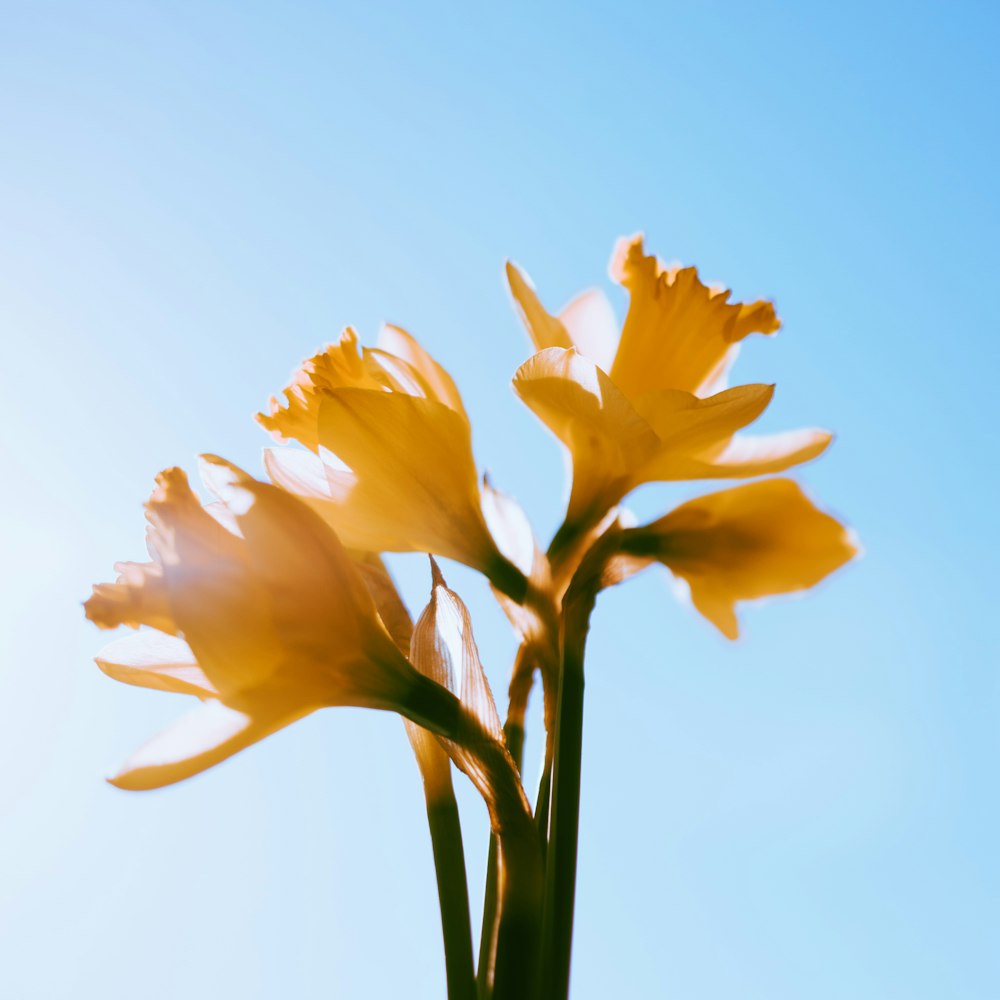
(271, 601)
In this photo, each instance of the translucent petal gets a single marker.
(397, 341)
(158, 661)
(606, 438)
(746, 456)
(685, 422)
(415, 484)
(678, 333)
(753, 541)
(199, 740)
(336, 366)
(443, 648)
(544, 329)
(590, 323)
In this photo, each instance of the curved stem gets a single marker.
(514, 734)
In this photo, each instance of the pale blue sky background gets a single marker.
(193, 196)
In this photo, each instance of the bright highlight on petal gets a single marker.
(269, 623)
(394, 421)
(753, 541)
(154, 660)
(204, 737)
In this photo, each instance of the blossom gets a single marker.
(756, 540)
(391, 468)
(256, 610)
(649, 405)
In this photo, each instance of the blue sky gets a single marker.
(195, 196)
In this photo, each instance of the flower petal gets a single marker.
(158, 661)
(416, 487)
(753, 541)
(338, 365)
(678, 333)
(138, 597)
(606, 438)
(685, 422)
(396, 341)
(544, 329)
(510, 528)
(590, 323)
(322, 612)
(746, 456)
(200, 740)
(389, 604)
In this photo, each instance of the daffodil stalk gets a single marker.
(272, 601)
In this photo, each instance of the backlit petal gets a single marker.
(395, 340)
(606, 438)
(201, 739)
(746, 456)
(389, 604)
(678, 333)
(138, 597)
(590, 323)
(416, 486)
(323, 614)
(158, 661)
(337, 366)
(753, 541)
(544, 329)
(687, 423)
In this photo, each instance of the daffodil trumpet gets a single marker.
(272, 600)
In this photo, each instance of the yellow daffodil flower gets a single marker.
(757, 540)
(648, 406)
(391, 468)
(258, 612)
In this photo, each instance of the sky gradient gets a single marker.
(194, 197)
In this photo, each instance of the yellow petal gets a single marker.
(158, 661)
(138, 597)
(544, 329)
(219, 604)
(587, 323)
(201, 739)
(753, 541)
(606, 438)
(321, 610)
(329, 491)
(396, 341)
(678, 333)
(389, 604)
(415, 487)
(338, 365)
(687, 424)
(746, 456)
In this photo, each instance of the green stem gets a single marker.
(542, 805)
(516, 967)
(564, 817)
(453, 895)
